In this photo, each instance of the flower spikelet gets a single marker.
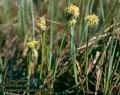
(41, 24)
(32, 43)
(73, 10)
(92, 20)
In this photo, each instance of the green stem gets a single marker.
(102, 10)
(51, 33)
(22, 20)
(72, 53)
(43, 53)
(86, 57)
(33, 21)
(87, 8)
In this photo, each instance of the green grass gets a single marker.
(65, 54)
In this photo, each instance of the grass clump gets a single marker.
(60, 47)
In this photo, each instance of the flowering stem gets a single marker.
(33, 21)
(87, 8)
(43, 53)
(86, 55)
(51, 33)
(29, 58)
(59, 50)
(72, 53)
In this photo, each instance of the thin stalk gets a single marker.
(102, 10)
(72, 53)
(33, 33)
(63, 39)
(32, 17)
(43, 53)
(59, 50)
(88, 5)
(86, 57)
(91, 7)
(22, 19)
(51, 33)
(111, 59)
(29, 60)
(69, 1)
(81, 26)
(57, 62)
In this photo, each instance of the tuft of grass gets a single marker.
(75, 60)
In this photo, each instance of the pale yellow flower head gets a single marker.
(32, 43)
(92, 20)
(41, 24)
(74, 10)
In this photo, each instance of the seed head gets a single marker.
(41, 24)
(92, 20)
